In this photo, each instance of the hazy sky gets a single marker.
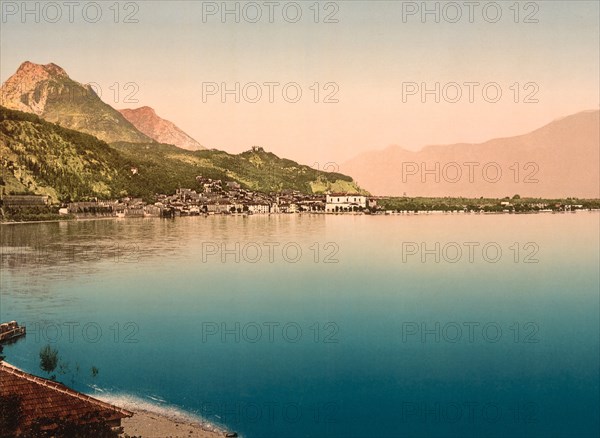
(368, 58)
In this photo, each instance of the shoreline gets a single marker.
(151, 420)
(51, 221)
(403, 213)
(149, 424)
(155, 421)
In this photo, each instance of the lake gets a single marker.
(321, 325)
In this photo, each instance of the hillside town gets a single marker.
(217, 197)
(212, 197)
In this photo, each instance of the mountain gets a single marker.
(40, 157)
(149, 123)
(43, 158)
(162, 168)
(561, 159)
(47, 91)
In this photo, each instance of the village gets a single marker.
(219, 197)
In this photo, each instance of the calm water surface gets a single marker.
(322, 326)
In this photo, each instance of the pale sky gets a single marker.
(370, 55)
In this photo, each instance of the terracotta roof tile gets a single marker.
(42, 398)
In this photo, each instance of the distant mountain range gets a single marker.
(158, 129)
(57, 137)
(561, 159)
(45, 117)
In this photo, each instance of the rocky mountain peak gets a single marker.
(47, 90)
(40, 71)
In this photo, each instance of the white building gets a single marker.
(341, 202)
(259, 208)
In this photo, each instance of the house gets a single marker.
(18, 201)
(153, 210)
(221, 206)
(210, 185)
(187, 195)
(134, 211)
(283, 207)
(91, 208)
(135, 202)
(313, 205)
(343, 202)
(51, 403)
(259, 208)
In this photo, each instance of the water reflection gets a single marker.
(149, 274)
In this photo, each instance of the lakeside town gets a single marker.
(212, 197)
(217, 197)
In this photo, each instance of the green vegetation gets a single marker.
(44, 158)
(48, 360)
(487, 205)
(163, 168)
(40, 157)
(51, 361)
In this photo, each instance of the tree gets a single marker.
(48, 360)
(516, 197)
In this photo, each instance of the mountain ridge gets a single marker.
(49, 92)
(58, 138)
(558, 159)
(160, 130)
(40, 157)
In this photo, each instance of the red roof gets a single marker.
(42, 398)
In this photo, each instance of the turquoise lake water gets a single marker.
(322, 326)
